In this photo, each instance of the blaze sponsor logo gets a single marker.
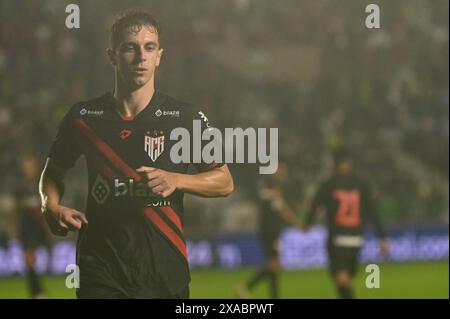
(171, 113)
(157, 203)
(174, 113)
(83, 111)
(131, 188)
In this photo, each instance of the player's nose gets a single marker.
(141, 54)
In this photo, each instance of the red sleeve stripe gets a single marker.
(167, 231)
(173, 216)
(96, 161)
(107, 151)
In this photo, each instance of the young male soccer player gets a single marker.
(349, 204)
(32, 231)
(131, 242)
(275, 214)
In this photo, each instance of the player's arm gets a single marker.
(59, 218)
(317, 201)
(217, 182)
(284, 210)
(289, 216)
(376, 222)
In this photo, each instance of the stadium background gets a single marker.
(310, 68)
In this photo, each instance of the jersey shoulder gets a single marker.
(186, 110)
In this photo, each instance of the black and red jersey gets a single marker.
(134, 241)
(349, 204)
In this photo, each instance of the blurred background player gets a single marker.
(275, 214)
(31, 228)
(349, 204)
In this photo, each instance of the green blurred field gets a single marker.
(419, 280)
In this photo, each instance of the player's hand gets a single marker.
(61, 219)
(384, 248)
(160, 182)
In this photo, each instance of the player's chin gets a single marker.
(141, 79)
(137, 82)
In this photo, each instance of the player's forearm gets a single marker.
(50, 187)
(286, 212)
(290, 217)
(49, 192)
(215, 183)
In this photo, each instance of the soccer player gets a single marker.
(131, 242)
(275, 214)
(32, 231)
(349, 204)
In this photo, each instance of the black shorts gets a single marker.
(343, 259)
(32, 234)
(104, 292)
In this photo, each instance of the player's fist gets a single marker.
(61, 219)
(160, 182)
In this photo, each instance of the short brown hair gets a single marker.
(132, 19)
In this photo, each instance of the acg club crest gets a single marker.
(154, 144)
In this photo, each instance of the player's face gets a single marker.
(137, 56)
(345, 167)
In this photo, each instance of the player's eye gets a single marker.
(127, 48)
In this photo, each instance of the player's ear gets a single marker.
(112, 57)
(158, 57)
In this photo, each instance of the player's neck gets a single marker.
(130, 102)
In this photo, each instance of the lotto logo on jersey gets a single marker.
(100, 189)
(154, 146)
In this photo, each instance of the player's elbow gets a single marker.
(228, 188)
(224, 182)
